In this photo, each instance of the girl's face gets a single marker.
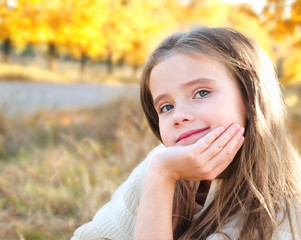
(192, 96)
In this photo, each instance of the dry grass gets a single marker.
(58, 168)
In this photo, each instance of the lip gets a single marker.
(190, 133)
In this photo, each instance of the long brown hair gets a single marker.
(261, 183)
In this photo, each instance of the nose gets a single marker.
(182, 116)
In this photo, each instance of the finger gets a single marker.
(221, 167)
(203, 143)
(222, 141)
(222, 160)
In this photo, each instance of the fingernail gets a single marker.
(241, 140)
(236, 126)
(221, 129)
(242, 130)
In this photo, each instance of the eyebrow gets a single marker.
(185, 85)
(158, 99)
(198, 81)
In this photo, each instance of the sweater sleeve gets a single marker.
(116, 219)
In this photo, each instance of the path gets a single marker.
(28, 97)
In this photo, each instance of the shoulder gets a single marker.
(116, 220)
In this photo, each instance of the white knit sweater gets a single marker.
(116, 219)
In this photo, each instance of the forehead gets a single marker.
(179, 69)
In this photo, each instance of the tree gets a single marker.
(283, 19)
(9, 15)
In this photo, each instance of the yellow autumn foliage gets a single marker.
(282, 19)
(124, 30)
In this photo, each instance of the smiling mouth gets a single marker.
(190, 133)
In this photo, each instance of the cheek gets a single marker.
(236, 108)
(163, 133)
(227, 113)
(241, 111)
(240, 115)
(167, 134)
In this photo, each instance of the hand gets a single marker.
(203, 160)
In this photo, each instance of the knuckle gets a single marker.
(220, 146)
(207, 170)
(228, 153)
(191, 156)
(211, 177)
(207, 142)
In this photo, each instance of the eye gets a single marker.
(201, 94)
(166, 108)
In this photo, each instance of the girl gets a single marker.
(227, 169)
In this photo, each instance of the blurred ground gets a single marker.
(58, 167)
(35, 69)
(29, 97)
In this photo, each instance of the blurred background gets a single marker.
(71, 126)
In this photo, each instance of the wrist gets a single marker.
(160, 169)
